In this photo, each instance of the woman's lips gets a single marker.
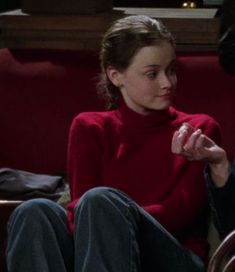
(166, 96)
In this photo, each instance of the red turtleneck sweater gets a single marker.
(131, 152)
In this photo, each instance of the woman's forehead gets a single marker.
(158, 54)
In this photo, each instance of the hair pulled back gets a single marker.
(121, 43)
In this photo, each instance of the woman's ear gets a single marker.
(114, 76)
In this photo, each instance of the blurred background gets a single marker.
(6, 5)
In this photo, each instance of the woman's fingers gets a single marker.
(192, 140)
(204, 141)
(178, 141)
(180, 138)
(193, 145)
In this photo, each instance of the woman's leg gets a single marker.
(160, 251)
(38, 238)
(106, 230)
(113, 234)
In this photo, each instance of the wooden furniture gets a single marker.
(223, 258)
(194, 29)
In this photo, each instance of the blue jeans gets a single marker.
(112, 234)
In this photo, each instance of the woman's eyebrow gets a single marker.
(172, 62)
(152, 65)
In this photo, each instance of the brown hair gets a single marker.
(121, 43)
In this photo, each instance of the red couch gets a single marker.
(42, 90)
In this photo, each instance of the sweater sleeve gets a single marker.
(84, 160)
(189, 195)
(84, 157)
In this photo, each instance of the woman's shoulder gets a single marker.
(95, 118)
(205, 122)
(196, 119)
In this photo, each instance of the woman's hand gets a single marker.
(194, 145)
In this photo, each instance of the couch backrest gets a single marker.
(42, 90)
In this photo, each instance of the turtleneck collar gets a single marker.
(155, 118)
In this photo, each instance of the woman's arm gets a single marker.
(189, 191)
(219, 174)
(84, 156)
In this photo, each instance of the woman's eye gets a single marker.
(151, 75)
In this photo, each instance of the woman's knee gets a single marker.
(102, 204)
(104, 199)
(97, 195)
(31, 209)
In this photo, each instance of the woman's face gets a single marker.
(150, 80)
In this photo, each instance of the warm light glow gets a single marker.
(192, 5)
(185, 5)
(189, 4)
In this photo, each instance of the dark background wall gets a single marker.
(9, 4)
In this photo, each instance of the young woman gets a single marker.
(135, 205)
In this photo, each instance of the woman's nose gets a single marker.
(165, 81)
